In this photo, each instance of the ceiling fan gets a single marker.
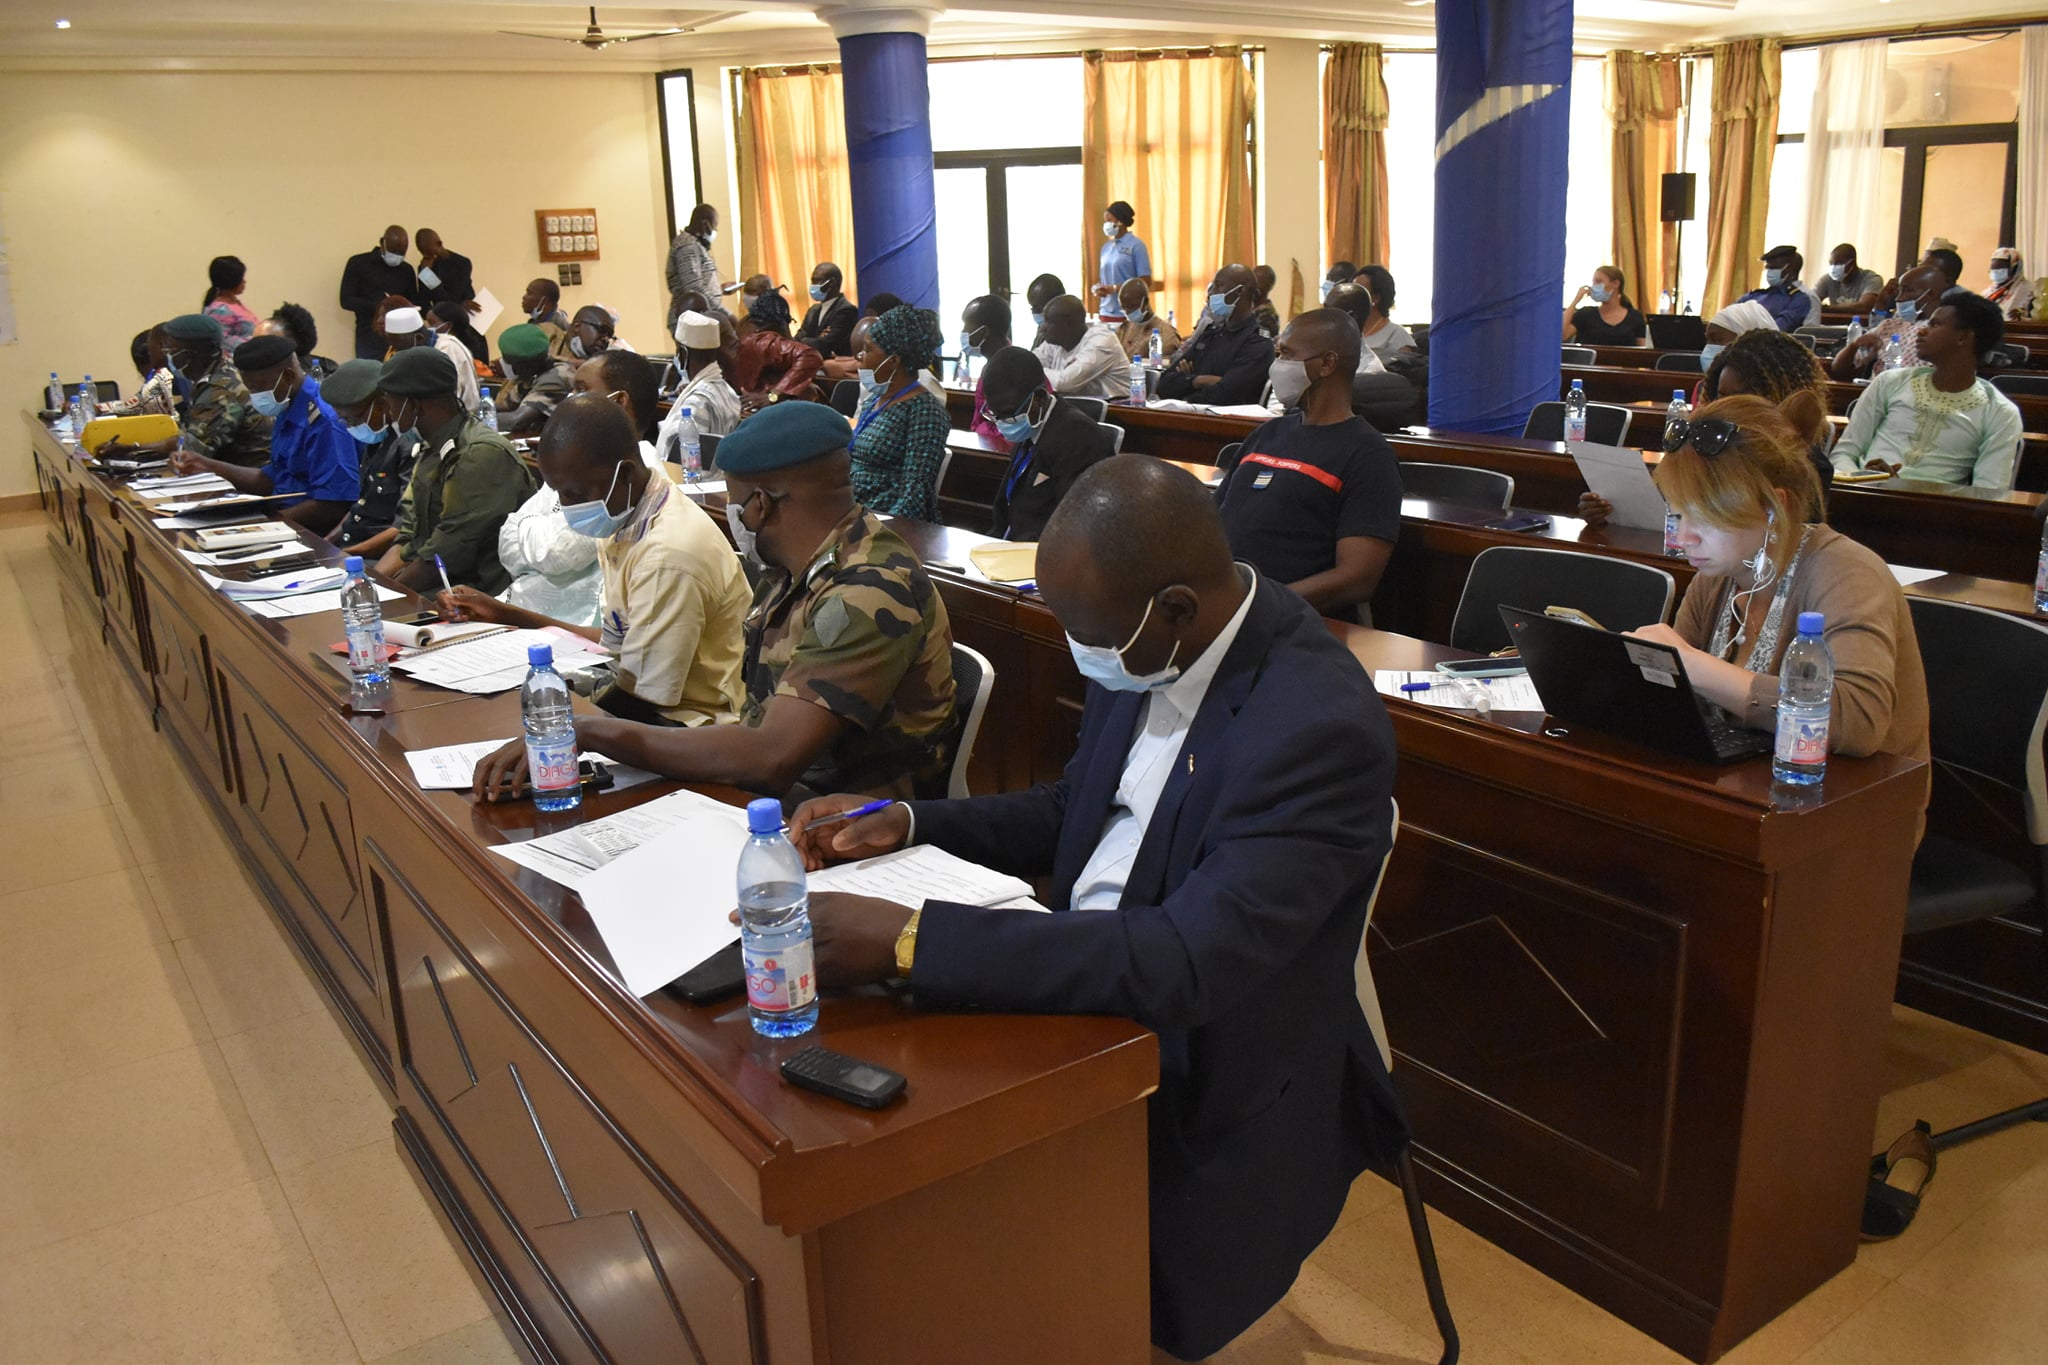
(596, 39)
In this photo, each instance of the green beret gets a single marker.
(782, 435)
(420, 372)
(262, 353)
(353, 383)
(524, 342)
(193, 327)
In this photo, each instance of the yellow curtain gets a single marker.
(1642, 103)
(796, 202)
(1355, 155)
(1739, 151)
(1168, 133)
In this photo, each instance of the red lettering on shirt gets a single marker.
(1321, 476)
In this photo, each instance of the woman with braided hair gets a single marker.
(900, 429)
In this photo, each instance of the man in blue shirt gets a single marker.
(1791, 304)
(1123, 258)
(311, 451)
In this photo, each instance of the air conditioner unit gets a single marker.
(1919, 94)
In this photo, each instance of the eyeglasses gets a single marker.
(1709, 438)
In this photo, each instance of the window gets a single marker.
(681, 175)
(1411, 178)
(1589, 187)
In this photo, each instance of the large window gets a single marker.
(1589, 187)
(681, 175)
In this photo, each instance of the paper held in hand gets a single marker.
(1623, 478)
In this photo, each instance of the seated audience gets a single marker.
(1790, 303)
(1610, 318)
(1381, 333)
(1053, 442)
(384, 459)
(670, 602)
(631, 382)
(407, 327)
(1913, 296)
(1314, 501)
(1226, 360)
(294, 322)
(311, 452)
(1351, 299)
(219, 422)
(593, 329)
(702, 348)
(985, 322)
(847, 366)
(1039, 293)
(227, 277)
(160, 392)
(1264, 280)
(1240, 889)
(1740, 482)
(768, 365)
(1938, 420)
(1081, 359)
(542, 304)
(900, 430)
(1744, 315)
(2010, 288)
(1847, 285)
(828, 322)
(466, 481)
(1123, 257)
(1140, 322)
(850, 680)
(535, 380)
(1343, 272)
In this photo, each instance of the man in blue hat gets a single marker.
(311, 452)
(849, 656)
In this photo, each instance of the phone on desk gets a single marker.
(1482, 668)
(1519, 521)
(417, 618)
(722, 974)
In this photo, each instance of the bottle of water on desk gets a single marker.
(53, 397)
(2041, 576)
(775, 927)
(1806, 694)
(1138, 381)
(1575, 412)
(691, 445)
(1854, 333)
(550, 732)
(87, 409)
(486, 410)
(1680, 411)
(362, 623)
(1155, 350)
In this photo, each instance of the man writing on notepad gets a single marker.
(311, 452)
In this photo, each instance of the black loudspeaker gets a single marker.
(1677, 196)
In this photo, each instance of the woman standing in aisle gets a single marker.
(1123, 257)
(227, 277)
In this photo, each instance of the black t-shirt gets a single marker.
(1298, 489)
(1592, 329)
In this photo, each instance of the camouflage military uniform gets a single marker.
(865, 636)
(466, 482)
(539, 393)
(221, 422)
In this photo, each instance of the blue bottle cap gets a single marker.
(1812, 623)
(540, 656)
(353, 564)
(764, 816)
(1678, 395)
(1578, 383)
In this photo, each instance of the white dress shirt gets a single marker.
(1097, 367)
(1155, 746)
(554, 569)
(713, 405)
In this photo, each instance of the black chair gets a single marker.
(1096, 408)
(106, 390)
(1618, 593)
(1458, 483)
(1580, 355)
(1388, 402)
(1606, 423)
(1226, 458)
(1684, 362)
(2007, 355)
(1116, 437)
(2020, 383)
(707, 446)
(845, 397)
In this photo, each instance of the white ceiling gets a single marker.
(444, 35)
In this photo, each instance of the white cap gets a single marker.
(400, 321)
(697, 332)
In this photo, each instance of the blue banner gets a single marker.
(889, 162)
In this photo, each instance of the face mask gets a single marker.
(1137, 314)
(818, 292)
(1774, 277)
(392, 258)
(1019, 429)
(868, 382)
(1707, 354)
(1220, 306)
(1109, 230)
(1103, 665)
(595, 519)
(406, 428)
(1908, 310)
(1999, 274)
(1598, 293)
(429, 278)
(1038, 319)
(1328, 285)
(1290, 380)
(537, 314)
(267, 403)
(744, 540)
(711, 237)
(747, 303)
(1838, 272)
(576, 348)
(366, 434)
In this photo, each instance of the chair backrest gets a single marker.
(846, 397)
(707, 447)
(1458, 483)
(939, 484)
(105, 391)
(1116, 437)
(1226, 458)
(1606, 423)
(1618, 593)
(1580, 355)
(973, 677)
(1361, 970)
(2020, 383)
(1980, 721)
(1096, 408)
(1806, 341)
(2004, 356)
(1151, 383)
(1686, 362)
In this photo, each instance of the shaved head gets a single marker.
(1324, 329)
(586, 433)
(1353, 301)
(1139, 522)
(1066, 321)
(987, 320)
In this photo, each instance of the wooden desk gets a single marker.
(1612, 384)
(632, 1178)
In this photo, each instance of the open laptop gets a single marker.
(1633, 688)
(1677, 331)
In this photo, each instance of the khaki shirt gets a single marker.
(466, 482)
(675, 608)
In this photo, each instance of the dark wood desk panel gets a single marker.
(1614, 384)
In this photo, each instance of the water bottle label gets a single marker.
(1802, 739)
(1671, 534)
(553, 766)
(365, 650)
(780, 980)
(2041, 576)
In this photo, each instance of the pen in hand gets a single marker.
(442, 569)
(856, 813)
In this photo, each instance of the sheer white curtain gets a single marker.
(2033, 151)
(1845, 155)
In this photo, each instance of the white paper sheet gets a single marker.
(288, 584)
(571, 856)
(159, 491)
(489, 309)
(228, 559)
(914, 875)
(1908, 575)
(662, 908)
(496, 663)
(1620, 476)
(1515, 693)
(452, 767)
(309, 603)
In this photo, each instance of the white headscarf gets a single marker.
(1745, 316)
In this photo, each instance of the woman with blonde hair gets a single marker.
(1612, 319)
(1745, 492)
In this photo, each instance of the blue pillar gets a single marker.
(889, 152)
(1503, 123)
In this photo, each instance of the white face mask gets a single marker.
(1838, 272)
(868, 382)
(576, 348)
(1290, 380)
(392, 258)
(711, 236)
(1109, 229)
(1999, 274)
(1707, 354)
(1101, 664)
(747, 303)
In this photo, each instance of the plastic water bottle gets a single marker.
(1855, 332)
(2041, 576)
(486, 410)
(550, 732)
(1575, 412)
(53, 397)
(960, 365)
(1172, 321)
(775, 927)
(691, 445)
(1806, 693)
(1678, 412)
(1891, 355)
(362, 622)
(88, 407)
(1138, 381)
(1154, 350)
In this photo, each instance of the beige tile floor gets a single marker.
(194, 1166)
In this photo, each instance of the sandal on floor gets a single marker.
(1897, 1178)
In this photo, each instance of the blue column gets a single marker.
(889, 153)
(1503, 123)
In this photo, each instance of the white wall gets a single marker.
(1290, 166)
(116, 189)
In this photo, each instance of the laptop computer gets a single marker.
(1677, 331)
(1633, 688)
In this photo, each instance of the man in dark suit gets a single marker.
(448, 277)
(1052, 442)
(828, 325)
(1212, 848)
(373, 281)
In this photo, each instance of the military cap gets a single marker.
(353, 383)
(524, 342)
(783, 435)
(421, 372)
(261, 353)
(193, 327)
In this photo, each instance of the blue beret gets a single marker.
(786, 434)
(193, 327)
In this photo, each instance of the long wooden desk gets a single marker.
(1613, 384)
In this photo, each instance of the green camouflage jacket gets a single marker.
(220, 421)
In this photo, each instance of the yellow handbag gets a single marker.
(146, 429)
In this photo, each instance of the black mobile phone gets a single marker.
(843, 1077)
(1520, 521)
(1482, 668)
(417, 618)
(722, 974)
(595, 776)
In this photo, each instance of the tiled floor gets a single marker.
(194, 1167)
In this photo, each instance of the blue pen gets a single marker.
(1416, 687)
(443, 568)
(856, 813)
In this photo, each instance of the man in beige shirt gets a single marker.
(675, 600)
(1140, 323)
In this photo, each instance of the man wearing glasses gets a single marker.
(1052, 442)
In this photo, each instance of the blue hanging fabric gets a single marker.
(889, 165)
(1503, 124)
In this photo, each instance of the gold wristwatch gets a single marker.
(906, 943)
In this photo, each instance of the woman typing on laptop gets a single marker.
(1747, 498)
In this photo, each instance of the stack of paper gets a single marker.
(1514, 693)
(497, 663)
(300, 593)
(175, 486)
(572, 855)
(912, 876)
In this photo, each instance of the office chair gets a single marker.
(1457, 483)
(1096, 408)
(106, 391)
(845, 397)
(1116, 437)
(1226, 458)
(2020, 383)
(1404, 1166)
(707, 447)
(1618, 593)
(973, 678)
(1684, 362)
(1580, 355)
(1606, 423)
(2006, 355)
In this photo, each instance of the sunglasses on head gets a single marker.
(1709, 438)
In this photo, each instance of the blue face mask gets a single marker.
(1019, 429)
(596, 519)
(1103, 665)
(1773, 277)
(1707, 354)
(818, 292)
(1328, 285)
(1220, 306)
(1598, 293)
(1038, 319)
(268, 404)
(367, 434)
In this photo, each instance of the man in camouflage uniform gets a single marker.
(537, 381)
(849, 657)
(220, 422)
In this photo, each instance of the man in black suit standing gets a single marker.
(1052, 442)
(1212, 848)
(447, 277)
(373, 281)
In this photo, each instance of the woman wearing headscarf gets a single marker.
(900, 429)
(2010, 289)
(1747, 315)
